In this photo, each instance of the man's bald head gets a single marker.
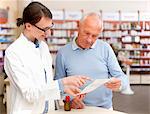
(92, 19)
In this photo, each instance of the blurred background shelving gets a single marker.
(127, 32)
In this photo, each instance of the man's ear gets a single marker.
(28, 26)
(101, 29)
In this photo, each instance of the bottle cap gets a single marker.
(67, 99)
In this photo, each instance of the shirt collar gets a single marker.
(75, 46)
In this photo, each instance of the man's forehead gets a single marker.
(91, 25)
(91, 21)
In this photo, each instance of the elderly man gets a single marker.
(87, 55)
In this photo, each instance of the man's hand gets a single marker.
(77, 102)
(114, 84)
(77, 81)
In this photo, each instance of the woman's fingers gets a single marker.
(72, 90)
(76, 80)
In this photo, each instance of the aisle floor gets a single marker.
(139, 103)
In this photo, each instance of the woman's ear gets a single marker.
(28, 26)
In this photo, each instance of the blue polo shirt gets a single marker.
(98, 62)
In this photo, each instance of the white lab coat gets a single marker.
(24, 64)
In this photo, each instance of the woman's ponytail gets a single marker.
(19, 22)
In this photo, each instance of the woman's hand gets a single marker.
(72, 83)
(76, 80)
(72, 90)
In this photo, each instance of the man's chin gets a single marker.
(88, 47)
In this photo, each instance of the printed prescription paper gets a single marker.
(95, 84)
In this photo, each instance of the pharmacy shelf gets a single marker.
(144, 65)
(139, 57)
(63, 29)
(128, 36)
(6, 37)
(62, 33)
(136, 49)
(140, 69)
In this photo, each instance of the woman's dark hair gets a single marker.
(33, 13)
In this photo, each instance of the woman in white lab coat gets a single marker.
(28, 65)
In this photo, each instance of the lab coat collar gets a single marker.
(35, 44)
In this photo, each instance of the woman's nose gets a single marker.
(48, 33)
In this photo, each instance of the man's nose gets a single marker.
(89, 39)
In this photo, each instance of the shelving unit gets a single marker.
(64, 30)
(129, 33)
(7, 36)
(139, 52)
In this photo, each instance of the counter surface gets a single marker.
(87, 110)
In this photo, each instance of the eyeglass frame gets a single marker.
(45, 29)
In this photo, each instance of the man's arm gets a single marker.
(115, 70)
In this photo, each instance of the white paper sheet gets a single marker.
(95, 84)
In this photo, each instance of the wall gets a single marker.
(17, 6)
(96, 5)
(13, 9)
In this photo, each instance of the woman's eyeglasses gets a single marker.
(46, 28)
